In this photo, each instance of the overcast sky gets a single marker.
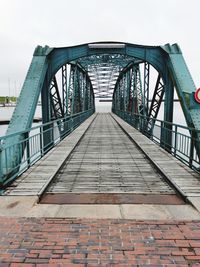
(24, 24)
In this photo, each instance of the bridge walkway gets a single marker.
(106, 161)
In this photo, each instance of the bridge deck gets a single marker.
(106, 160)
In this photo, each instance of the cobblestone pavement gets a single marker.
(85, 242)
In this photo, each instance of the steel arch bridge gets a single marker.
(68, 80)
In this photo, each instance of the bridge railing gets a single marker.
(15, 158)
(178, 140)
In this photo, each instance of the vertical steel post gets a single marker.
(168, 112)
(155, 105)
(146, 86)
(64, 88)
(175, 140)
(70, 90)
(73, 93)
(56, 102)
(128, 100)
(27, 148)
(46, 116)
(192, 143)
(41, 141)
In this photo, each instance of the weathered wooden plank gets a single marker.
(106, 160)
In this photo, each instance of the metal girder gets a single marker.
(104, 71)
(79, 92)
(70, 90)
(56, 104)
(128, 91)
(64, 88)
(73, 95)
(24, 112)
(76, 100)
(155, 104)
(29, 94)
(184, 84)
(138, 90)
(181, 78)
(146, 86)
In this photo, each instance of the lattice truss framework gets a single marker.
(103, 71)
(107, 76)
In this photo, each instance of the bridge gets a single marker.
(133, 162)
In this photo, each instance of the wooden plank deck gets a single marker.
(108, 161)
(185, 179)
(36, 178)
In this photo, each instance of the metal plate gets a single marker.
(110, 198)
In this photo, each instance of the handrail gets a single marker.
(178, 140)
(33, 144)
(44, 124)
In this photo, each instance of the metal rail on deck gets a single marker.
(183, 137)
(32, 147)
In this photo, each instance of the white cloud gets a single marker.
(26, 23)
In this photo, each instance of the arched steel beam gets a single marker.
(167, 60)
(49, 60)
(152, 54)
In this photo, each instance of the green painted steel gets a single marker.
(57, 57)
(102, 68)
(32, 148)
(23, 114)
(173, 72)
(156, 56)
(184, 85)
(182, 143)
(27, 101)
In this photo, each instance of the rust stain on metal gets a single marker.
(110, 198)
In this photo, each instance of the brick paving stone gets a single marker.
(57, 242)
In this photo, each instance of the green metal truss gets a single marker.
(103, 69)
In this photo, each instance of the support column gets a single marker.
(47, 132)
(168, 113)
(146, 86)
(64, 88)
